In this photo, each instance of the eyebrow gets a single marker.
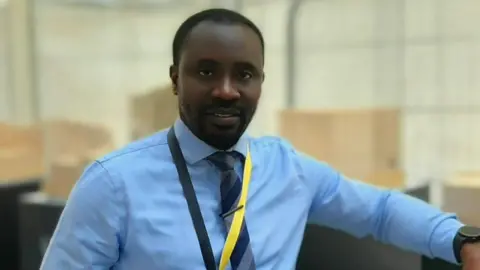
(210, 61)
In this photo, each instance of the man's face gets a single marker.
(218, 81)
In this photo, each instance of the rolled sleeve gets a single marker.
(441, 239)
(391, 217)
(89, 231)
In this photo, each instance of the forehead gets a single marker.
(223, 43)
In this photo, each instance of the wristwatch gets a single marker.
(465, 235)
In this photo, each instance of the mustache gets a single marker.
(223, 108)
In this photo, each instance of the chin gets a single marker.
(222, 138)
(222, 143)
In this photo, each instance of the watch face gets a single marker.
(471, 232)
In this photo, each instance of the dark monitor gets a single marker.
(10, 192)
(38, 217)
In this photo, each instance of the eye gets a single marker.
(205, 72)
(246, 75)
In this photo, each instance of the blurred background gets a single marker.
(387, 91)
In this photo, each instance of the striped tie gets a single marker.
(230, 189)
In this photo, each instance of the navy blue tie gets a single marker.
(230, 189)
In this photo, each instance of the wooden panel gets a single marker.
(63, 176)
(21, 152)
(66, 138)
(302, 131)
(362, 144)
(151, 112)
(70, 146)
(387, 179)
(462, 196)
(386, 134)
(353, 143)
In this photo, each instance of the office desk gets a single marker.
(9, 206)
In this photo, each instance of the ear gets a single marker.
(174, 78)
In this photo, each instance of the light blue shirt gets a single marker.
(128, 211)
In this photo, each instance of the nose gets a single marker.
(226, 90)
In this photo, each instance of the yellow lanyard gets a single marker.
(238, 217)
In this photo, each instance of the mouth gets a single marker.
(224, 115)
(224, 119)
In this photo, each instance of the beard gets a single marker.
(221, 138)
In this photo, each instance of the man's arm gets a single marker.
(89, 230)
(389, 216)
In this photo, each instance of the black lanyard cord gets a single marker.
(192, 202)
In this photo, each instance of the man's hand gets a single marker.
(471, 256)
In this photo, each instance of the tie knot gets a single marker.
(223, 160)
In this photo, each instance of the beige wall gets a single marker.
(5, 110)
(88, 69)
(351, 53)
(16, 61)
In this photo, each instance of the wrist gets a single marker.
(470, 252)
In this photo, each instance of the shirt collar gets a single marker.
(195, 150)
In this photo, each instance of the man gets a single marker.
(138, 208)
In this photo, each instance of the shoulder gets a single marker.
(272, 143)
(275, 145)
(276, 151)
(142, 147)
(281, 148)
(135, 156)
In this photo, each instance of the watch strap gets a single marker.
(458, 242)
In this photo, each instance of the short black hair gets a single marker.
(218, 15)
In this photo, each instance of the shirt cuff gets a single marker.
(441, 240)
